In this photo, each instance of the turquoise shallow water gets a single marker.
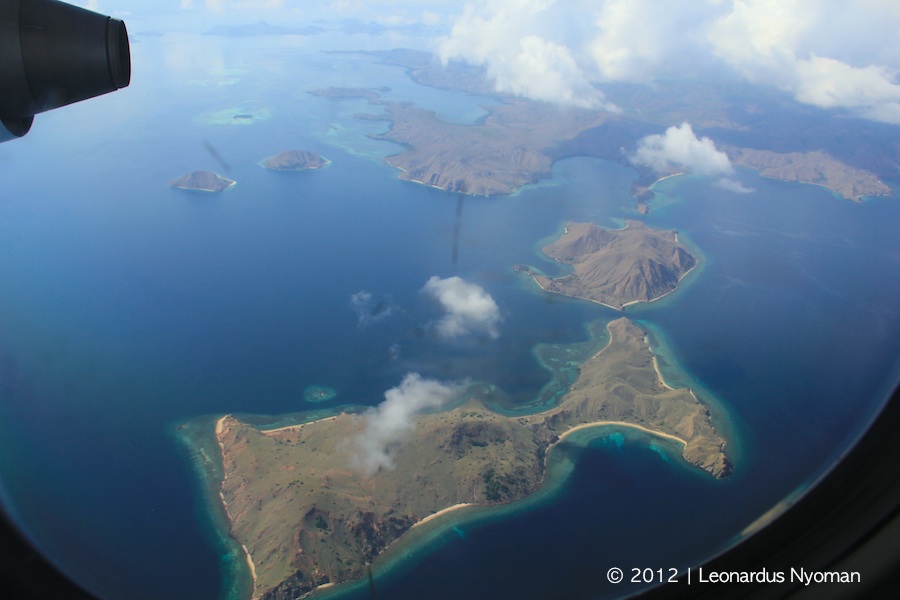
(127, 308)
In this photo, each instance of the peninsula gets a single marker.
(616, 267)
(296, 160)
(516, 144)
(511, 147)
(815, 167)
(202, 181)
(306, 518)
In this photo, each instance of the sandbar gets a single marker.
(443, 512)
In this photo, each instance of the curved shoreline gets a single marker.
(298, 426)
(220, 427)
(537, 275)
(566, 433)
(545, 424)
(442, 512)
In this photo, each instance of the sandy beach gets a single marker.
(250, 563)
(626, 304)
(659, 374)
(220, 427)
(298, 426)
(666, 177)
(441, 512)
(686, 273)
(533, 276)
(618, 424)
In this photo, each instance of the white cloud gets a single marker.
(430, 18)
(828, 53)
(392, 421)
(469, 309)
(830, 83)
(93, 5)
(222, 6)
(371, 309)
(733, 185)
(820, 51)
(525, 50)
(679, 147)
(636, 40)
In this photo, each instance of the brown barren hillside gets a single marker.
(617, 267)
(815, 167)
(202, 181)
(306, 518)
(511, 148)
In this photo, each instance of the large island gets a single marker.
(616, 267)
(307, 518)
(516, 144)
(510, 148)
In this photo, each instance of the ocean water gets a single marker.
(128, 310)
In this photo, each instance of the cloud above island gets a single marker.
(393, 421)
(468, 308)
(679, 149)
(831, 54)
(826, 53)
(525, 48)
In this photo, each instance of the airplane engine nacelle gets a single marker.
(53, 54)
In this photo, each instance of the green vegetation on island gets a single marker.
(306, 516)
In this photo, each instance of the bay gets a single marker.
(128, 309)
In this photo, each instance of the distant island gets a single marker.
(372, 95)
(816, 167)
(513, 146)
(305, 518)
(296, 160)
(616, 267)
(519, 141)
(202, 181)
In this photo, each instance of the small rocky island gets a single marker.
(616, 267)
(306, 517)
(202, 181)
(296, 160)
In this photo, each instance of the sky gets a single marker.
(825, 53)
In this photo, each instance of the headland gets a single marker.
(307, 518)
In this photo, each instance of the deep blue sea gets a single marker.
(128, 309)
